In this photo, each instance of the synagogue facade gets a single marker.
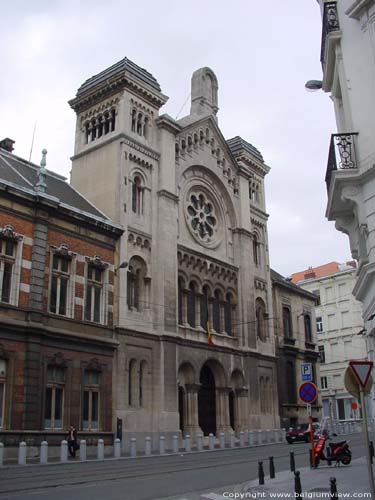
(194, 318)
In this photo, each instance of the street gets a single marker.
(151, 478)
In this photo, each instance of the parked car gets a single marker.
(302, 433)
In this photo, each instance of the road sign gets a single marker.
(352, 386)
(361, 370)
(307, 392)
(306, 369)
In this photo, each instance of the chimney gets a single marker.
(7, 144)
(352, 263)
(310, 273)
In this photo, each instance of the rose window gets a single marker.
(201, 217)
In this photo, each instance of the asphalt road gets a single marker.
(150, 478)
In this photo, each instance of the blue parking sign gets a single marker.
(306, 369)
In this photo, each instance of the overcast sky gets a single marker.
(262, 52)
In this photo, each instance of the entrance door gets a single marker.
(207, 402)
(231, 410)
(181, 406)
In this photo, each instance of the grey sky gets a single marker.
(262, 53)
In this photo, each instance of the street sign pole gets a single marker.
(367, 441)
(309, 412)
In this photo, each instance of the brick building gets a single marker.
(57, 271)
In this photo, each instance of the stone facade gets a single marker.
(56, 337)
(295, 334)
(193, 208)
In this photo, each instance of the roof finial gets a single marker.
(42, 174)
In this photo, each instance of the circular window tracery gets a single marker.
(201, 216)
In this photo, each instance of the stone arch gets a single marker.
(261, 316)
(138, 284)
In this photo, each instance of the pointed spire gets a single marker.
(41, 185)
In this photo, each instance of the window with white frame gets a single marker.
(323, 382)
(54, 398)
(91, 400)
(319, 324)
(60, 280)
(322, 354)
(94, 294)
(3, 367)
(7, 262)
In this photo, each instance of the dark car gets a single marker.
(302, 433)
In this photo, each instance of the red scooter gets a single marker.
(336, 452)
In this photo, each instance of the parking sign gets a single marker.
(306, 369)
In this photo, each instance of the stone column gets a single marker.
(191, 412)
(184, 306)
(198, 310)
(222, 410)
(240, 411)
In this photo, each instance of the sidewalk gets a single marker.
(352, 482)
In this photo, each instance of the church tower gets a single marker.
(194, 303)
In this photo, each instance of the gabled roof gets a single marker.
(121, 67)
(286, 283)
(237, 144)
(23, 175)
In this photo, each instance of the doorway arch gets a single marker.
(207, 401)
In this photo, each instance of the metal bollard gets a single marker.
(211, 442)
(260, 440)
(272, 468)
(22, 453)
(371, 446)
(64, 451)
(1, 454)
(242, 439)
(292, 462)
(117, 448)
(231, 439)
(133, 447)
(43, 452)
(268, 436)
(82, 450)
(260, 473)
(297, 484)
(148, 445)
(100, 449)
(222, 440)
(175, 444)
(251, 438)
(162, 445)
(199, 442)
(187, 443)
(333, 486)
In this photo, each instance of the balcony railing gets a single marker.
(341, 154)
(330, 23)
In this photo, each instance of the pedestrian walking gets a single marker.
(72, 441)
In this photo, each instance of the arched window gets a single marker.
(134, 120)
(139, 124)
(137, 288)
(287, 322)
(228, 314)
(216, 311)
(181, 287)
(142, 383)
(131, 381)
(260, 314)
(191, 305)
(307, 325)
(204, 307)
(256, 250)
(137, 196)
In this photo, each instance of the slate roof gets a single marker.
(236, 144)
(286, 283)
(121, 67)
(23, 174)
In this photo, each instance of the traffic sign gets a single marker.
(306, 369)
(361, 370)
(307, 392)
(352, 386)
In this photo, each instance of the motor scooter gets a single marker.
(336, 452)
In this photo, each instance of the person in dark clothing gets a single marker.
(72, 441)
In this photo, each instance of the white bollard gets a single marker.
(43, 452)
(64, 451)
(199, 442)
(175, 444)
(222, 440)
(82, 450)
(133, 447)
(100, 451)
(211, 442)
(268, 436)
(251, 438)
(162, 445)
(117, 448)
(1, 454)
(276, 436)
(260, 438)
(187, 443)
(242, 439)
(231, 439)
(283, 435)
(22, 453)
(148, 445)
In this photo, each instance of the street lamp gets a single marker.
(313, 85)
